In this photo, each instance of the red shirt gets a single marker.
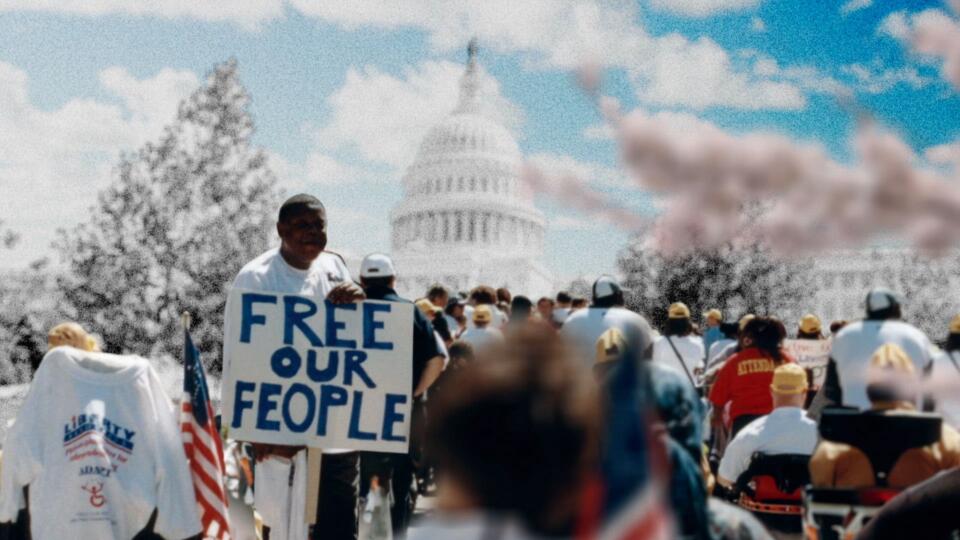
(744, 381)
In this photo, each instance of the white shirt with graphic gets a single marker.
(98, 444)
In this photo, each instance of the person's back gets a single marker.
(837, 464)
(840, 465)
(482, 334)
(584, 327)
(479, 338)
(689, 348)
(854, 345)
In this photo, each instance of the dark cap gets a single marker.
(881, 299)
(605, 287)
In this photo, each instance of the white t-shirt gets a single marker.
(690, 349)
(585, 326)
(269, 272)
(855, 344)
(481, 337)
(97, 441)
(786, 430)
(717, 349)
(946, 379)
(560, 314)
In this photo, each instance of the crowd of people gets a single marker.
(513, 401)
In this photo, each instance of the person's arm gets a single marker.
(823, 465)
(720, 393)
(736, 458)
(928, 402)
(429, 376)
(425, 350)
(831, 390)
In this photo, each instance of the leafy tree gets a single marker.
(181, 217)
(735, 280)
(928, 288)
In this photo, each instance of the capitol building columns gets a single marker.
(462, 202)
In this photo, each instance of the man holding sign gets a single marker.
(299, 266)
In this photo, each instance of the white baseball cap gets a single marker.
(377, 265)
(605, 286)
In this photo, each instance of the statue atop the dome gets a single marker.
(470, 82)
(472, 51)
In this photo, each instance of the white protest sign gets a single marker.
(303, 372)
(811, 353)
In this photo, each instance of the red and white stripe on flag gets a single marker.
(205, 452)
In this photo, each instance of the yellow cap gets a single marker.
(955, 325)
(610, 346)
(789, 379)
(678, 310)
(891, 357)
(745, 319)
(809, 324)
(714, 315)
(482, 313)
(427, 307)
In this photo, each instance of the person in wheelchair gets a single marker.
(765, 465)
(861, 450)
(786, 430)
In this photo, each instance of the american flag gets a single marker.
(627, 499)
(202, 445)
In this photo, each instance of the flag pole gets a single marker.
(185, 320)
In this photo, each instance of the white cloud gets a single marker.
(757, 25)
(667, 70)
(854, 5)
(874, 78)
(58, 159)
(598, 176)
(576, 223)
(246, 13)
(700, 74)
(551, 34)
(382, 118)
(598, 132)
(703, 8)
(895, 25)
(806, 77)
(933, 34)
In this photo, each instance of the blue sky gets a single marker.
(109, 74)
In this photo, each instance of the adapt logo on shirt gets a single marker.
(95, 489)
